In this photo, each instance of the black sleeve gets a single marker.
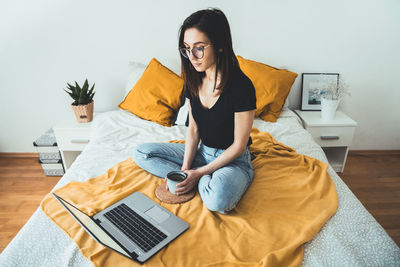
(186, 93)
(244, 95)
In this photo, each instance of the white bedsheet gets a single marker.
(352, 237)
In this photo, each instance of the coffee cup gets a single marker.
(174, 178)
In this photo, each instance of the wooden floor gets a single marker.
(22, 187)
(374, 177)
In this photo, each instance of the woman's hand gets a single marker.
(165, 178)
(193, 177)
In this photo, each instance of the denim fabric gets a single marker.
(220, 191)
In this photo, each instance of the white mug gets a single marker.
(174, 178)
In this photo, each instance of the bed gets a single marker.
(352, 237)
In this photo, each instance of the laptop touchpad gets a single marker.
(157, 214)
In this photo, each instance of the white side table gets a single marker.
(72, 137)
(334, 136)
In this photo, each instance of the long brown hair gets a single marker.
(214, 24)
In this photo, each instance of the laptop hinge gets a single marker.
(133, 255)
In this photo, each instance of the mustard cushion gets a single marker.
(156, 95)
(272, 87)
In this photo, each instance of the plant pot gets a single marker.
(83, 113)
(328, 108)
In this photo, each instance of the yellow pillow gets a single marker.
(156, 95)
(272, 87)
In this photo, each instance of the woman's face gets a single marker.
(195, 38)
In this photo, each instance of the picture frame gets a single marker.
(312, 87)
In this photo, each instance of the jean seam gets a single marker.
(211, 155)
(159, 155)
(143, 153)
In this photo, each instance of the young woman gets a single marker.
(221, 112)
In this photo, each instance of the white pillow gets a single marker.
(286, 105)
(136, 70)
(183, 113)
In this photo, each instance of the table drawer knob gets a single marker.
(329, 137)
(80, 141)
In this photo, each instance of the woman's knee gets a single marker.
(142, 152)
(217, 205)
(218, 202)
(221, 193)
(145, 148)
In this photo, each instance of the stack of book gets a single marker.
(49, 155)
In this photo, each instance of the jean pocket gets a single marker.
(249, 165)
(245, 158)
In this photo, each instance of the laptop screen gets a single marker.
(92, 228)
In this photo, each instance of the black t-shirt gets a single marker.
(216, 125)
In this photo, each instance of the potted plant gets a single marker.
(331, 96)
(83, 101)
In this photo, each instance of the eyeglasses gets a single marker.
(197, 51)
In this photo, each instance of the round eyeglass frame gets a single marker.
(185, 52)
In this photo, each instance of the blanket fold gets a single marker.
(291, 198)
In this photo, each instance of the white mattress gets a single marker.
(352, 237)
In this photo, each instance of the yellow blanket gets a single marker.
(290, 199)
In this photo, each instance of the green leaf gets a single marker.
(77, 88)
(68, 93)
(70, 86)
(91, 90)
(85, 85)
(91, 97)
(83, 93)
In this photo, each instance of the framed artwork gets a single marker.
(313, 86)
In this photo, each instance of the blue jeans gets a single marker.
(220, 190)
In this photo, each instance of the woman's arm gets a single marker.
(243, 124)
(192, 141)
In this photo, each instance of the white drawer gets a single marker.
(332, 136)
(74, 139)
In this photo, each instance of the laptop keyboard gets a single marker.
(140, 231)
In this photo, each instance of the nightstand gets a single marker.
(334, 136)
(72, 137)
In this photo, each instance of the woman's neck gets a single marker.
(210, 73)
(210, 76)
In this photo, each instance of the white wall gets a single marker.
(44, 44)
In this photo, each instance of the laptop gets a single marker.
(136, 226)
